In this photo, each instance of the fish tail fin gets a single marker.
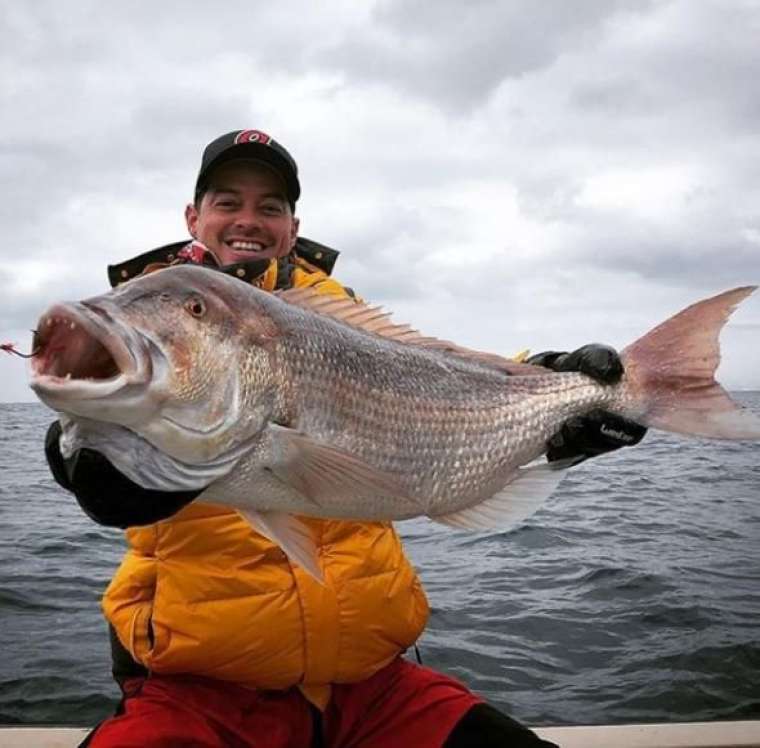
(670, 374)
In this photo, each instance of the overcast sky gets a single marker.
(503, 174)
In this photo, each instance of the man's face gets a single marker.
(244, 214)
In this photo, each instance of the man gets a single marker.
(217, 639)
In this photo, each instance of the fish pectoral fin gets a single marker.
(291, 534)
(323, 473)
(525, 492)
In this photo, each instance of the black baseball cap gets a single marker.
(253, 144)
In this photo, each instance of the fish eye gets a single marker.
(196, 306)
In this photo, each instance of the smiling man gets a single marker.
(217, 639)
(244, 214)
(243, 207)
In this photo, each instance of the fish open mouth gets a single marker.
(80, 350)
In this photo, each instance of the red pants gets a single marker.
(401, 705)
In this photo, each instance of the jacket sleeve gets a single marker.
(106, 495)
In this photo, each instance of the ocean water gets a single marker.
(632, 596)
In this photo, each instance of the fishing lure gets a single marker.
(11, 348)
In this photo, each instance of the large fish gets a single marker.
(300, 404)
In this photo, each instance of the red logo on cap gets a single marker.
(253, 136)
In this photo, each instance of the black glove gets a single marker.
(106, 495)
(599, 431)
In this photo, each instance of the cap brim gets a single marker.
(258, 152)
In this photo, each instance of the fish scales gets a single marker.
(439, 423)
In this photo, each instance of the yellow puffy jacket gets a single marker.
(202, 593)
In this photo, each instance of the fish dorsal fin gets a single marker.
(351, 312)
(527, 489)
(376, 320)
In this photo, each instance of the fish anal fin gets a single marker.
(291, 534)
(527, 489)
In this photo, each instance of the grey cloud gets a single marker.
(376, 257)
(107, 106)
(694, 253)
(620, 94)
(21, 309)
(456, 54)
(707, 67)
(150, 44)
